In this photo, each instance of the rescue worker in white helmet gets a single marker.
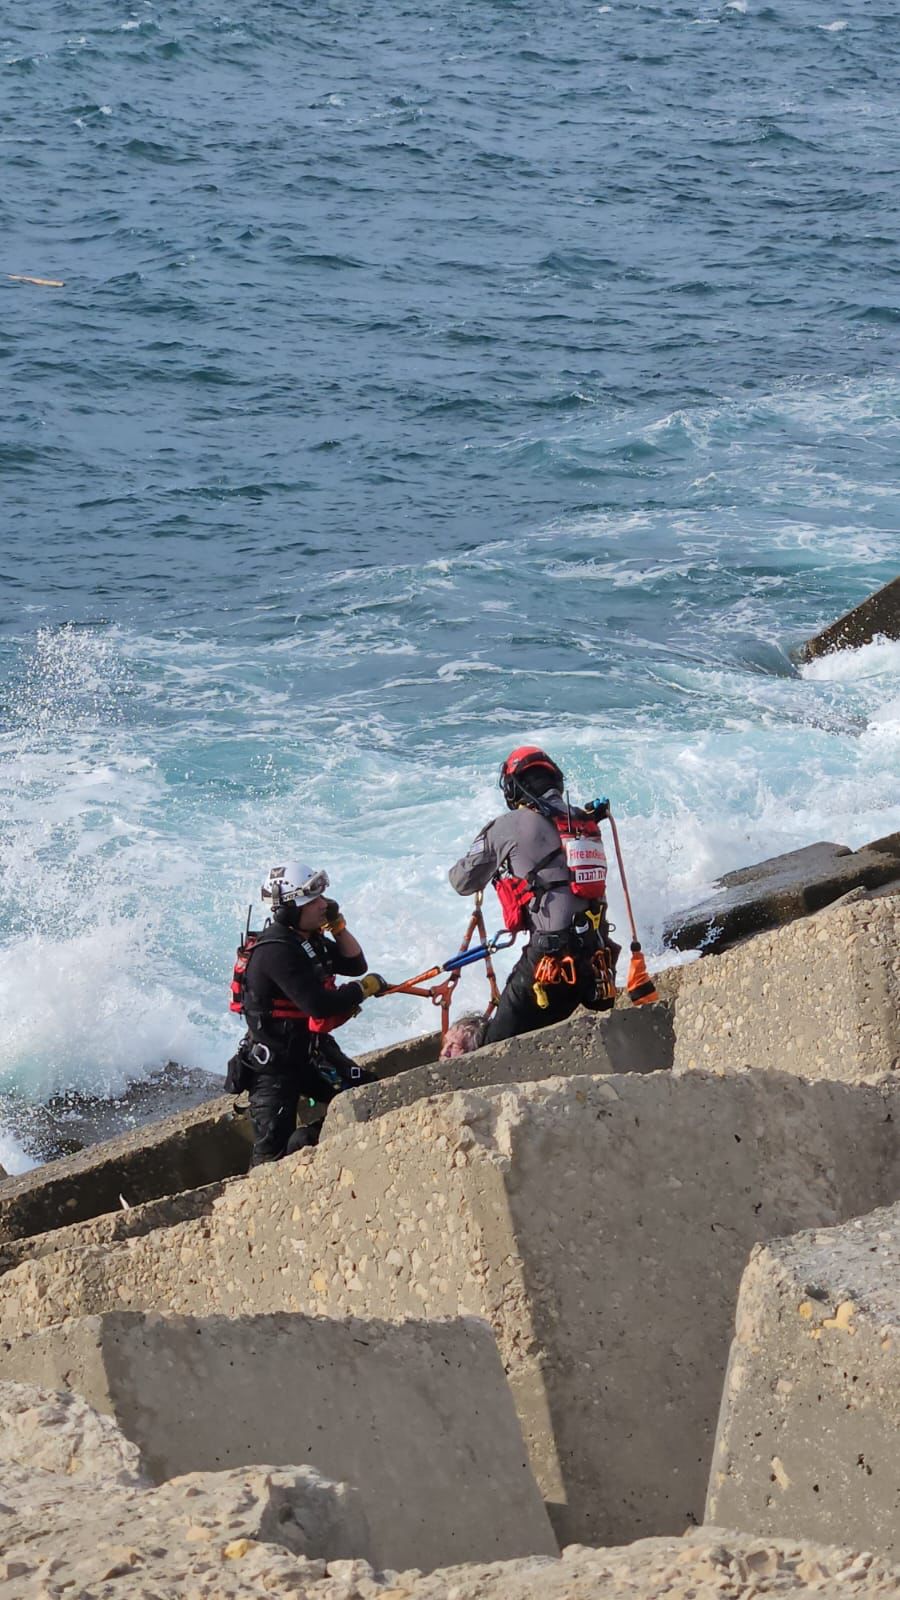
(284, 987)
(570, 958)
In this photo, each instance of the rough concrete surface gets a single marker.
(181, 1152)
(820, 998)
(187, 1150)
(78, 1520)
(809, 1433)
(780, 890)
(418, 1415)
(878, 614)
(206, 1536)
(125, 1223)
(601, 1225)
(637, 1039)
(44, 1430)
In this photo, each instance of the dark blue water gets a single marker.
(425, 378)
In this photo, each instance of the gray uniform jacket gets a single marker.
(522, 838)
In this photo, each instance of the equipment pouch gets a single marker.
(515, 896)
(238, 1075)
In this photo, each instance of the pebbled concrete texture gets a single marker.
(820, 998)
(180, 1152)
(599, 1224)
(79, 1520)
(636, 1039)
(113, 1226)
(418, 1415)
(809, 1432)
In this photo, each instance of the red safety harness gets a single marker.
(580, 847)
(281, 1009)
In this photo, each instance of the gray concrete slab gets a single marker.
(878, 615)
(809, 1432)
(599, 1224)
(417, 1416)
(780, 890)
(633, 1039)
(820, 998)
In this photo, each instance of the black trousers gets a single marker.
(274, 1101)
(275, 1097)
(519, 1012)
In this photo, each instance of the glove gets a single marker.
(598, 808)
(372, 984)
(333, 922)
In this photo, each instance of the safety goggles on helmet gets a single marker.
(294, 884)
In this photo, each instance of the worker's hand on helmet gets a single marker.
(373, 984)
(333, 918)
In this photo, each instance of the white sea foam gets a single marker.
(833, 27)
(148, 783)
(13, 1158)
(878, 661)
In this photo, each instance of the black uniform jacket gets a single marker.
(287, 964)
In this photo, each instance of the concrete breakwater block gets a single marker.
(180, 1152)
(85, 1519)
(418, 1416)
(114, 1225)
(640, 1039)
(820, 998)
(79, 1511)
(780, 890)
(878, 615)
(599, 1224)
(184, 1151)
(809, 1433)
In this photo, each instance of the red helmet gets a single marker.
(528, 761)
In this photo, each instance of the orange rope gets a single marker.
(440, 994)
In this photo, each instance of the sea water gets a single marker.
(427, 379)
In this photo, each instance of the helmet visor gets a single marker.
(315, 884)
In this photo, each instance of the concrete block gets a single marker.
(231, 1535)
(600, 1224)
(637, 1039)
(879, 614)
(49, 1432)
(809, 1432)
(780, 890)
(185, 1151)
(417, 1415)
(820, 998)
(126, 1223)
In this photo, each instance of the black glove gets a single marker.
(372, 984)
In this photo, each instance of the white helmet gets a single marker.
(294, 884)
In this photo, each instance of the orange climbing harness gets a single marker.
(550, 970)
(441, 994)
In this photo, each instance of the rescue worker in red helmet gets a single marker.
(289, 1000)
(523, 854)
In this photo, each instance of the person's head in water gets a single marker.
(527, 774)
(296, 894)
